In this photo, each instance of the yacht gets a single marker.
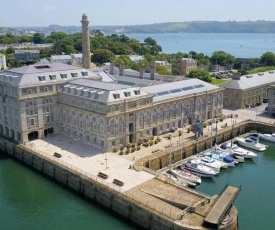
(219, 155)
(251, 143)
(267, 137)
(185, 175)
(209, 162)
(235, 149)
(199, 169)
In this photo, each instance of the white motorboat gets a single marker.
(251, 144)
(267, 137)
(199, 169)
(183, 183)
(235, 149)
(186, 175)
(222, 156)
(209, 162)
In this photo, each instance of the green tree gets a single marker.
(10, 50)
(38, 38)
(97, 33)
(200, 74)
(242, 72)
(123, 59)
(26, 38)
(268, 58)
(57, 35)
(101, 56)
(160, 69)
(150, 41)
(222, 58)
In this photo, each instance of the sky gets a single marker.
(131, 12)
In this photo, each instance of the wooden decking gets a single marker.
(221, 207)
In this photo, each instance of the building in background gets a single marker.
(3, 64)
(185, 65)
(166, 64)
(248, 90)
(63, 59)
(27, 55)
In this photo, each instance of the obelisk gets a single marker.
(86, 57)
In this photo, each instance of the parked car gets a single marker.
(265, 100)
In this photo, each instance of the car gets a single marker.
(218, 77)
(265, 100)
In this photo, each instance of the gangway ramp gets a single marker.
(222, 206)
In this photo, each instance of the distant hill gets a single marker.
(169, 27)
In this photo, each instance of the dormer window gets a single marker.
(137, 92)
(74, 74)
(63, 75)
(127, 94)
(52, 77)
(42, 78)
(84, 73)
(116, 95)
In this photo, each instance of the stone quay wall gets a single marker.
(188, 148)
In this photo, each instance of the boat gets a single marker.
(235, 149)
(186, 175)
(199, 169)
(251, 143)
(182, 182)
(222, 156)
(212, 163)
(267, 137)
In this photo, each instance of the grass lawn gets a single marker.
(217, 81)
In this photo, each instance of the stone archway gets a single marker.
(33, 135)
(47, 131)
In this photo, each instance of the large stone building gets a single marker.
(28, 98)
(94, 108)
(27, 55)
(248, 90)
(185, 65)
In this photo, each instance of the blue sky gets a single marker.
(131, 12)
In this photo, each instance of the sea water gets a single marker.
(241, 45)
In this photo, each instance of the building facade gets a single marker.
(3, 64)
(248, 90)
(92, 107)
(185, 65)
(29, 96)
(64, 59)
(27, 55)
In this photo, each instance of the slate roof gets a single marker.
(31, 75)
(251, 81)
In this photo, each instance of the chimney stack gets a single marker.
(236, 76)
(152, 71)
(121, 69)
(141, 73)
(112, 66)
(86, 56)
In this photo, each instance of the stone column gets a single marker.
(85, 42)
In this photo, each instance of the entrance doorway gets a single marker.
(48, 131)
(33, 135)
(155, 131)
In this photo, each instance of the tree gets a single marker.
(242, 72)
(268, 58)
(97, 33)
(200, 74)
(222, 58)
(57, 35)
(101, 56)
(160, 69)
(150, 41)
(10, 50)
(38, 38)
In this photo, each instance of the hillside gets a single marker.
(169, 27)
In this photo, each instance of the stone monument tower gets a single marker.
(86, 57)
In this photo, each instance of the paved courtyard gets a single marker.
(92, 160)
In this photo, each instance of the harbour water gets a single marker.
(28, 200)
(241, 45)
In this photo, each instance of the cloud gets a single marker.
(50, 8)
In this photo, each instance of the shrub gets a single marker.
(138, 147)
(127, 151)
(151, 143)
(188, 129)
(158, 138)
(115, 150)
(121, 152)
(169, 137)
(121, 148)
(179, 133)
(133, 149)
(146, 144)
(156, 141)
